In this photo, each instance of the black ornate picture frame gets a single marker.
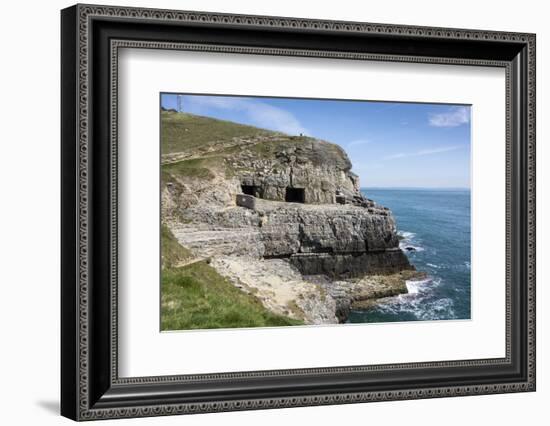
(91, 387)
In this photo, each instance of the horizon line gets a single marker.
(448, 188)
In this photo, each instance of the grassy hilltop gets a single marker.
(206, 139)
(204, 144)
(182, 132)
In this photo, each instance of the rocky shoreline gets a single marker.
(314, 299)
(271, 265)
(364, 293)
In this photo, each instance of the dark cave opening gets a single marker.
(250, 190)
(295, 195)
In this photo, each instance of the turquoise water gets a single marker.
(435, 224)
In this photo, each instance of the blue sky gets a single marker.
(390, 144)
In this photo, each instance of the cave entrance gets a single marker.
(295, 195)
(250, 190)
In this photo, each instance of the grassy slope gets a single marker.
(195, 296)
(183, 132)
(195, 167)
(172, 251)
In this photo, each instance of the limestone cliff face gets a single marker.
(320, 168)
(334, 240)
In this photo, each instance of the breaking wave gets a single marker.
(419, 302)
(408, 242)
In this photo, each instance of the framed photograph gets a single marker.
(263, 212)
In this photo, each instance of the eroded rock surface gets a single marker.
(280, 287)
(340, 241)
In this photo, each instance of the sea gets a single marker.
(434, 227)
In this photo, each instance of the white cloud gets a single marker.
(422, 152)
(454, 117)
(259, 113)
(358, 142)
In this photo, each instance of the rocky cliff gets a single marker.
(336, 240)
(319, 168)
(263, 197)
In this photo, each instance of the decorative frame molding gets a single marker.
(91, 37)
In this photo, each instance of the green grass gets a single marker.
(172, 252)
(195, 296)
(182, 132)
(198, 168)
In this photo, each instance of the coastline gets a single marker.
(284, 220)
